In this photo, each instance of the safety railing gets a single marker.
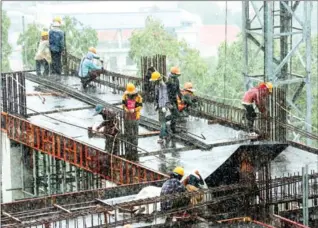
(281, 222)
(108, 166)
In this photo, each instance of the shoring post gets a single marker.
(268, 40)
(305, 194)
(245, 26)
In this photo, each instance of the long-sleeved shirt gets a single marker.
(173, 87)
(161, 95)
(87, 65)
(43, 51)
(171, 186)
(56, 39)
(109, 122)
(132, 102)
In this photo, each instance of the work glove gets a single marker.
(164, 110)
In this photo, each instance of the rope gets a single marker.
(225, 52)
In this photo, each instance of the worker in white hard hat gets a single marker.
(43, 55)
(57, 45)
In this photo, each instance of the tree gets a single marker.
(78, 39)
(154, 39)
(6, 48)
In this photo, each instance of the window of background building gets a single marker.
(113, 62)
(129, 61)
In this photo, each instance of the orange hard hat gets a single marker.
(175, 70)
(130, 88)
(188, 86)
(92, 49)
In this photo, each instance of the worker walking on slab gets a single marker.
(257, 95)
(173, 87)
(88, 70)
(161, 102)
(43, 55)
(187, 100)
(111, 128)
(132, 105)
(57, 45)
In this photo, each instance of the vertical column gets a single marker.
(35, 172)
(245, 26)
(268, 40)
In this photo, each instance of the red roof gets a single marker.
(214, 35)
(111, 35)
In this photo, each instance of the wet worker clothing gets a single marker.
(187, 100)
(173, 186)
(43, 58)
(194, 179)
(88, 70)
(161, 103)
(132, 105)
(257, 95)
(57, 45)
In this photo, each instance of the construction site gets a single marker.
(58, 172)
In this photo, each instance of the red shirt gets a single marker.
(258, 96)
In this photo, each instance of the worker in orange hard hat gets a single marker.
(132, 105)
(57, 45)
(43, 55)
(187, 99)
(257, 95)
(173, 87)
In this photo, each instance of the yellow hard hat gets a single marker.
(57, 19)
(155, 76)
(92, 49)
(179, 170)
(269, 86)
(188, 86)
(175, 70)
(130, 89)
(44, 33)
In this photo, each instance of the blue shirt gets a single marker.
(87, 65)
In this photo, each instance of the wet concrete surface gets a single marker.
(291, 160)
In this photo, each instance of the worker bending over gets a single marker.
(194, 182)
(173, 88)
(132, 105)
(43, 55)
(111, 128)
(161, 102)
(187, 100)
(88, 70)
(257, 95)
(57, 45)
(172, 186)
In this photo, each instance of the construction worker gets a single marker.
(187, 99)
(132, 105)
(111, 128)
(173, 87)
(57, 45)
(194, 182)
(173, 186)
(88, 70)
(257, 95)
(43, 55)
(148, 86)
(161, 102)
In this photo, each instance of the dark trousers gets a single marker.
(250, 116)
(173, 117)
(112, 145)
(92, 75)
(131, 136)
(39, 64)
(56, 62)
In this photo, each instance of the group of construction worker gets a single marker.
(50, 50)
(175, 185)
(169, 96)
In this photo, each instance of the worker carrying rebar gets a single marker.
(187, 100)
(172, 186)
(110, 127)
(132, 105)
(193, 183)
(173, 87)
(43, 55)
(57, 45)
(161, 102)
(257, 95)
(88, 70)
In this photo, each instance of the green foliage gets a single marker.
(78, 39)
(6, 48)
(154, 39)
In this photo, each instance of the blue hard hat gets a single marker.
(98, 109)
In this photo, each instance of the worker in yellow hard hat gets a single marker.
(173, 87)
(161, 102)
(57, 45)
(43, 55)
(132, 105)
(88, 70)
(172, 186)
(257, 95)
